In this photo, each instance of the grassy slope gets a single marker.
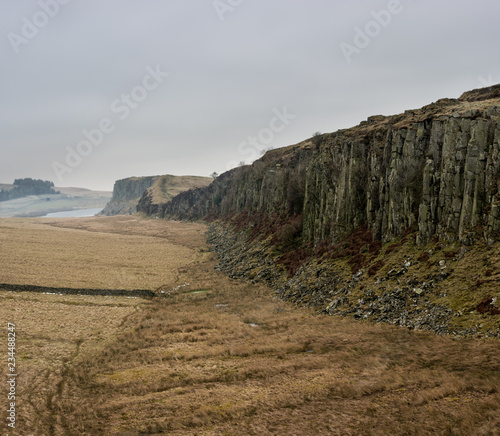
(216, 356)
(164, 188)
(167, 187)
(474, 277)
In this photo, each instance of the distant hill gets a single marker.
(41, 205)
(25, 187)
(148, 194)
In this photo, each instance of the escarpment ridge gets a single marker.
(147, 194)
(395, 220)
(435, 169)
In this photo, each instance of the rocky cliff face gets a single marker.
(148, 194)
(164, 188)
(395, 220)
(126, 195)
(436, 170)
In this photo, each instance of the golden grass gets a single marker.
(167, 187)
(38, 252)
(51, 330)
(237, 362)
(213, 356)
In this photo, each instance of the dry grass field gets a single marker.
(212, 356)
(97, 252)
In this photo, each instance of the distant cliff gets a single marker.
(126, 195)
(147, 194)
(165, 188)
(436, 169)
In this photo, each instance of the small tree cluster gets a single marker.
(28, 186)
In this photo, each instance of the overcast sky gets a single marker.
(92, 91)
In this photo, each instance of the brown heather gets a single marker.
(212, 356)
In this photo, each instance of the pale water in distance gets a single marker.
(81, 213)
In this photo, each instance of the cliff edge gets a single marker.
(147, 194)
(395, 220)
(435, 169)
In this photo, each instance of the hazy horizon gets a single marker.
(95, 91)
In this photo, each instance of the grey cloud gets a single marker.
(226, 77)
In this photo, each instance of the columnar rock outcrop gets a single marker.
(126, 194)
(436, 169)
(438, 173)
(148, 194)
